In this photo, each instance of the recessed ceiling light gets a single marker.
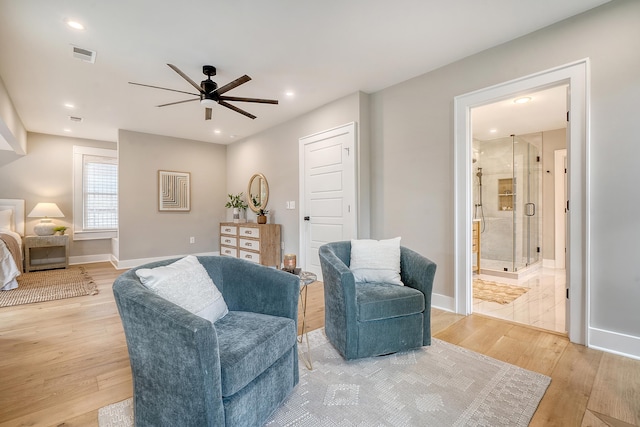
(69, 105)
(217, 131)
(66, 130)
(233, 136)
(289, 93)
(74, 24)
(493, 130)
(522, 100)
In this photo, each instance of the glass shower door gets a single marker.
(526, 214)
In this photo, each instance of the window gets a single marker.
(95, 201)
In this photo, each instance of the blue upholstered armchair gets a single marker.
(372, 319)
(190, 372)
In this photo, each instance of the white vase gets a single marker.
(236, 215)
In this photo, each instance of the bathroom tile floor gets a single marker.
(543, 306)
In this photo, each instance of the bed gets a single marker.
(11, 232)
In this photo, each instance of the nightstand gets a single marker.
(44, 245)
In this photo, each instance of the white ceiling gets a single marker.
(321, 50)
(545, 111)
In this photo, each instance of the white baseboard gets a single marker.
(549, 263)
(89, 259)
(614, 342)
(443, 302)
(131, 263)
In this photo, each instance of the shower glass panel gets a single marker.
(526, 213)
(507, 196)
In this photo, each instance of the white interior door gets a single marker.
(328, 192)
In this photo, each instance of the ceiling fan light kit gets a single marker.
(210, 94)
(209, 103)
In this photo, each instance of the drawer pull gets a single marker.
(247, 244)
(227, 230)
(227, 241)
(248, 256)
(248, 232)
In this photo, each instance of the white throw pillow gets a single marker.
(376, 260)
(187, 284)
(5, 219)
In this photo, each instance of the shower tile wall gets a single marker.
(495, 158)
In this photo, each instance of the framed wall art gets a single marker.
(174, 191)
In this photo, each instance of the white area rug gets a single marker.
(440, 385)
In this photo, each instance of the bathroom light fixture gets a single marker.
(74, 24)
(46, 211)
(522, 100)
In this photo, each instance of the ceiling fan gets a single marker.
(210, 94)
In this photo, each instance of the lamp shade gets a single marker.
(45, 211)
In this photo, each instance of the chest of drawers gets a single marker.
(259, 243)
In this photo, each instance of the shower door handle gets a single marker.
(530, 209)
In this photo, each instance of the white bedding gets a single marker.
(9, 271)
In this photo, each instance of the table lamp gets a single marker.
(46, 211)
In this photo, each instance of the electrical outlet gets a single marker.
(192, 239)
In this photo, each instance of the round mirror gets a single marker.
(258, 192)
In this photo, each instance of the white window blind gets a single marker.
(100, 192)
(95, 193)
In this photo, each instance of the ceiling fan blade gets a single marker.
(164, 88)
(178, 102)
(236, 109)
(184, 76)
(207, 113)
(262, 101)
(237, 82)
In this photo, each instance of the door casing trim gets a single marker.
(576, 75)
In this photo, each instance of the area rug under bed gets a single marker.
(49, 285)
(440, 385)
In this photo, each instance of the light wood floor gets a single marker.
(62, 360)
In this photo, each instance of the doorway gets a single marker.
(575, 75)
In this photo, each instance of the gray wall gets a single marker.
(45, 175)
(11, 127)
(275, 154)
(145, 232)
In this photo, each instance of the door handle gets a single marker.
(306, 218)
(530, 209)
